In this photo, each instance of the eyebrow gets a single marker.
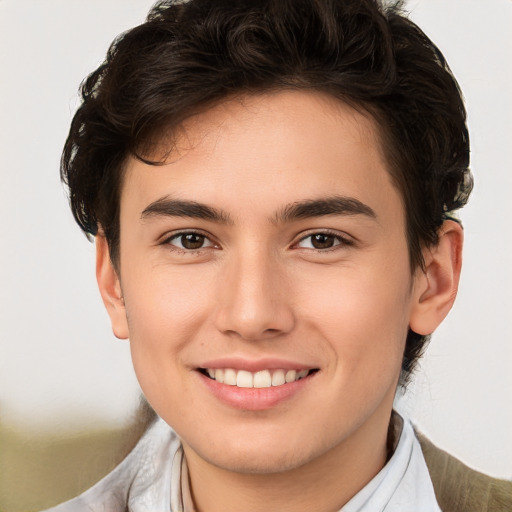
(334, 205)
(167, 207)
(309, 208)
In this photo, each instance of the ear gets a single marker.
(110, 288)
(435, 287)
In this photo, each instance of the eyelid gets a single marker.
(343, 238)
(169, 236)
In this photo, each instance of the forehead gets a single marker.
(280, 116)
(269, 148)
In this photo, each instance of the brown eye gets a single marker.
(190, 241)
(322, 241)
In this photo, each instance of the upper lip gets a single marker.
(255, 365)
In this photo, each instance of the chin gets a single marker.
(258, 456)
(258, 464)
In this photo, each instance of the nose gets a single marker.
(254, 302)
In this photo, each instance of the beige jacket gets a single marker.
(459, 488)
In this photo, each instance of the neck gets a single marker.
(323, 484)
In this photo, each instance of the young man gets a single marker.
(271, 187)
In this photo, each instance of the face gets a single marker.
(266, 283)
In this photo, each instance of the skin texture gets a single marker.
(261, 294)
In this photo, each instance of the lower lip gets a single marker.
(255, 399)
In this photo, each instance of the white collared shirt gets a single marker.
(154, 478)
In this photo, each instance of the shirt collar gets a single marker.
(402, 484)
(154, 476)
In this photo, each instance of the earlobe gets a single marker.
(436, 286)
(110, 288)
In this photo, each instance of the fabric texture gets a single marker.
(459, 488)
(154, 478)
(403, 484)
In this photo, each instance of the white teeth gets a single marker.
(219, 375)
(230, 377)
(278, 378)
(290, 375)
(244, 379)
(301, 374)
(261, 379)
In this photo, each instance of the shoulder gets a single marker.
(140, 482)
(459, 488)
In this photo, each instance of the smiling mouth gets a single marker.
(261, 379)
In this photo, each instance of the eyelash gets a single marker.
(342, 241)
(181, 234)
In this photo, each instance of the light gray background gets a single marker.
(60, 366)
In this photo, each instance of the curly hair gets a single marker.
(188, 55)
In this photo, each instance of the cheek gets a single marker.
(364, 317)
(164, 303)
(161, 328)
(165, 310)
